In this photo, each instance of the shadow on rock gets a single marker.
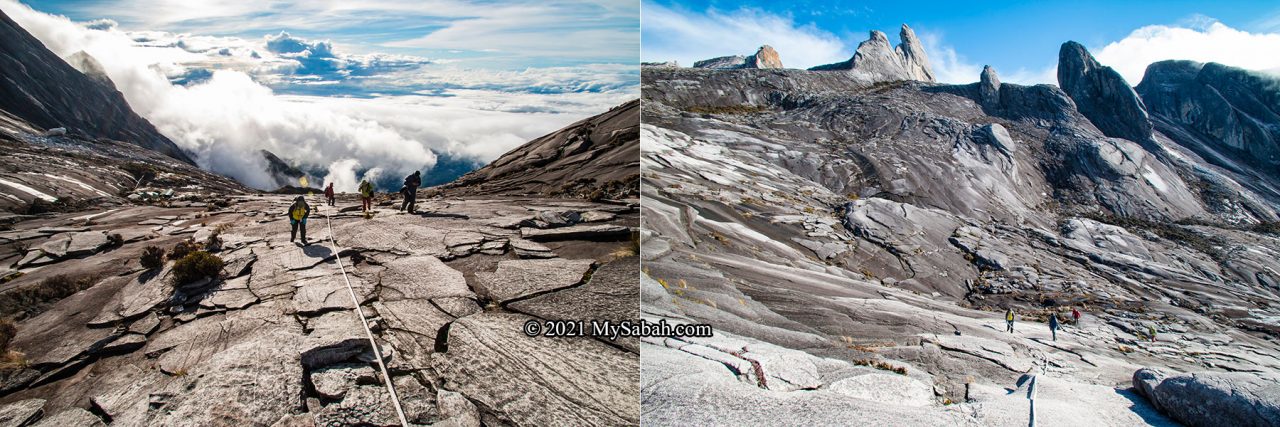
(317, 251)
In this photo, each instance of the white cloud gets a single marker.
(684, 36)
(948, 66)
(519, 27)
(228, 115)
(1211, 42)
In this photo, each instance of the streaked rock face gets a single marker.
(1228, 116)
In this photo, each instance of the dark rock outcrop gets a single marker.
(1228, 116)
(1213, 399)
(284, 173)
(876, 60)
(597, 157)
(1102, 95)
(989, 88)
(39, 87)
(765, 57)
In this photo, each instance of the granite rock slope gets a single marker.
(856, 242)
(594, 158)
(274, 337)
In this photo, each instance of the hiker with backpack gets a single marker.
(366, 196)
(411, 184)
(328, 194)
(1053, 325)
(1008, 319)
(298, 213)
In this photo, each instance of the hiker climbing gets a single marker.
(1151, 332)
(298, 213)
(366, 196)
(328, 194)
(1008, 320)
(1075, 317)
(1053, 325)
(411, 184)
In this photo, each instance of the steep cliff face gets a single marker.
(1102, 95)
(1228, 116)
(594, 158)
(39, 87)
(876, 60)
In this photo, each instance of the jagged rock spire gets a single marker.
(914, 60)
(877, 60)
(989, 87)
(1102, 95)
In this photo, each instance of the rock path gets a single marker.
(274, 340)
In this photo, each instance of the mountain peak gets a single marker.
(876, 60)
(914, 60)
(87, 64)
(765, 57)
(1102, 95)
(57, 94)
(989, 86)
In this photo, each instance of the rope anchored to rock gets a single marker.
(377, 354)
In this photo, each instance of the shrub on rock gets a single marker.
(195, 266)
(181, 249)
(152, 258)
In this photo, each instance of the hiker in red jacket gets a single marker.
(328, 193)
(1075, 316)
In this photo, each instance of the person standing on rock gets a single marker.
(1008, 319)
(1075, 317)
(366, 196)
(328, 194)
(298, 213)
(411, 184)
(1053, 325)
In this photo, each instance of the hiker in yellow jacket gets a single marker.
(366, 195)
(298, 213)
(1008, 320)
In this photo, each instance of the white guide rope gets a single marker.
(395, 399)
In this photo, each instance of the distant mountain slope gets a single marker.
(68, 172)
(594, 158)
(43, 89)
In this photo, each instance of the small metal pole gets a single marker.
(1031, 396)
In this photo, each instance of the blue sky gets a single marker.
(352, 89)
(1015, 37)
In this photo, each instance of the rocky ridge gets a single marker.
(765, 57)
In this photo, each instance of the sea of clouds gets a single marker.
(342, 116)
